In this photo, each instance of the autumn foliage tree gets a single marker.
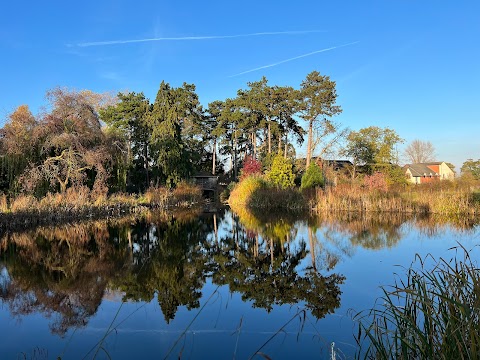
(72, 145)
(251, 166)
(18, 145)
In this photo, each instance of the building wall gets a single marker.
(445, 172)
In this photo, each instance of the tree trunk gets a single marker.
(235, 156)
(269, 138)
(145, 156)
(312, 248)
(309, 143)
(214, 155)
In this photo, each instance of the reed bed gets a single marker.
(414, 200)
(434, 313)
(26, 211)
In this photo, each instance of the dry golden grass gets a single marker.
(3, 203)
(419, 200)
(24, 203)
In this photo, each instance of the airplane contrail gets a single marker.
(185, 38)
(293, 58)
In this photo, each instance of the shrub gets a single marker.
(312, 177)
(281, 173)
(376, 181)
(251, 166)
(277, 198)
(242, 192)
(225, 194)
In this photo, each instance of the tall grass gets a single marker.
(433, 314)
(82, 199)
(255, 192)
(410, 199)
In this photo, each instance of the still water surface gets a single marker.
(212, 285)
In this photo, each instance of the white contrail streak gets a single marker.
(185, 38)
(294, 58)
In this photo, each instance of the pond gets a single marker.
(206, 285)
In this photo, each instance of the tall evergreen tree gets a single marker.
(318, 97)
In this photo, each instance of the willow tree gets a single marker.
(318, 97)
(72, 144)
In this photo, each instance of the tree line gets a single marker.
(129, 143)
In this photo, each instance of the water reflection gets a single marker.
(60, 272)
(64, 272)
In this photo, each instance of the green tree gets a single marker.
(317, 105)
(126, 123)
(285, 105)
(312, 177)
(225, 118)
(373, 147)
(471, 167)
(256, 105)
(174, 111)
(281, 173)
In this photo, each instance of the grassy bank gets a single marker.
(81, 203)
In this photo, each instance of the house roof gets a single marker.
(340, 163)
(422, 169)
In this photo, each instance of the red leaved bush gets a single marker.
(251, 166)
(376, 181)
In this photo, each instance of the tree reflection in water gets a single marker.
(60, 272)
(64, 272)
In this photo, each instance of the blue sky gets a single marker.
(411, 65)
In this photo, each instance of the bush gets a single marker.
(376, 181)
(281, 173)
(243, 191)
(251, 166)
(312, 177)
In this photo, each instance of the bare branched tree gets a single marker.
(419, 151)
